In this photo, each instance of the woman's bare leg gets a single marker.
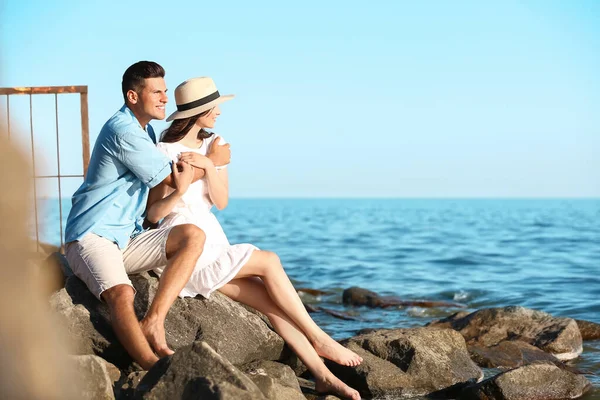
(266, 265)
(252, 291)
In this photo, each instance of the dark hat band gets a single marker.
(199, 102)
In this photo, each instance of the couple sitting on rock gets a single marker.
(175, 184)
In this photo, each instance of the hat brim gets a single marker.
(200, 109)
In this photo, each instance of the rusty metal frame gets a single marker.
(85, 137)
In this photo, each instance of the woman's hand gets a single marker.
(183, 174)
(220, 154)
(196, 160)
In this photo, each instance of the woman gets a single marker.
(241, 272)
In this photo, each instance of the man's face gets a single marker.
(152, 99)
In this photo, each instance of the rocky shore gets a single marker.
(224, 350)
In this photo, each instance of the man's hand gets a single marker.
(219, 154)
(183, 174)
(195, 159)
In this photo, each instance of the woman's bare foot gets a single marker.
(328, 348)
(155, 334)
(333, 385)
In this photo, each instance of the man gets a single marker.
(104, 234)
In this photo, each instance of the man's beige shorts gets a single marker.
(100, 264)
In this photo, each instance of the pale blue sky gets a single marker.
(341, 98)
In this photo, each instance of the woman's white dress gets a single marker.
(220, 261)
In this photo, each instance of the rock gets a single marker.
(308, 388)
(276, 381)
(488, 327)
(449, 320)
(196, 372)
(126, 389)
(360, 297)
(229, 328)
(96, 377)
(408, 363)
(589, 330)
(510, 354)
(531, 382)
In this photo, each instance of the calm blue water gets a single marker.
(542, 254)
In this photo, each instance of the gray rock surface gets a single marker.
(96, 377)
(589, 330)
(531, 382)
(510, 354)
(229, 328)
(488, 327)
(125, 389)
(408, 363)
(196, 372)
(275, 380)
(234, 332)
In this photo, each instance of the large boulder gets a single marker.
(488, 327)
(589, 330)
(96, 377)
(531, 382)
(234, 332)
(229, 328)
(275, 380)
(196, 372)
(408, 363)
(511, 354)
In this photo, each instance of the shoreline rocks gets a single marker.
(408, 362)
(229, 351)
(488, 327)
(530, 382)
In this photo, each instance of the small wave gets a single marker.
(456, 261)
(460, 296)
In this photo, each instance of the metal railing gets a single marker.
(85, 140)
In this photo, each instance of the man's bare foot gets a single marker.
(332, 385)
(332, 350)
(155, 334)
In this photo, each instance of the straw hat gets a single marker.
(195, 96)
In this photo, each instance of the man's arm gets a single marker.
(169, 181)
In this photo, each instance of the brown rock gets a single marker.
(488, 327)
(126, 389)
(96, 377)
(511, 354)
(233, 331)
(361, 297)
(531, 382)
(276, 381)
(408, 363)
(196, 372)
(589, 330)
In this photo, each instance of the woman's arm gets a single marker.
(218, 186)
(159, 205)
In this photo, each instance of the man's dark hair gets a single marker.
(133, 78)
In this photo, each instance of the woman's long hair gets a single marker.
(180, 127)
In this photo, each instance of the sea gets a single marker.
(542, 254)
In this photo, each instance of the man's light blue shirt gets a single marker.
(124, 166)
